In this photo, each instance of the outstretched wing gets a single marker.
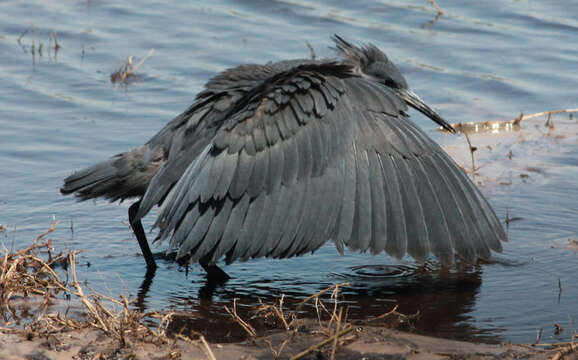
(315, 153)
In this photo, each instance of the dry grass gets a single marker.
(40, 273)
(26, 274)
(332, 322)
(276, 311)
(246, 326)
(36, 47)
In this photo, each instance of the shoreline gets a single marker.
(367, 342)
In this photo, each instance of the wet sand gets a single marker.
(362, 343)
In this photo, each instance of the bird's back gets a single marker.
(175, 146)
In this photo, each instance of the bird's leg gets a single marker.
(214, 273)
(138, 230)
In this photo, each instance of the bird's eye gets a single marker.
(390, 83)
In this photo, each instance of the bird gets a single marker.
(275, 160)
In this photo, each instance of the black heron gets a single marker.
(274, 160)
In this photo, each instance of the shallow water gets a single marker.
(490, 61)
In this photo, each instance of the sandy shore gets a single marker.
(361, 343)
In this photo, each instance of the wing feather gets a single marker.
(440, 240)
(243, 172)
(361, 236)
(478, 246)
(276, 164)
(259, 233)
(231, 232)
(417, 233)
(344, 227)
(289, 201)
(198, 231)
(224, 183)
(291, 163)
(211, 240)
(396, 243)
(294, 220)
(247, 228)
(309, 218)
(305, 155)
(379, 218)
(332, 185)
(259, 175)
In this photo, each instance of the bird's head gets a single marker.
(371, 63)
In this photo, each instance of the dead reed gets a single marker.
(127, 71)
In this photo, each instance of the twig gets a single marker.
(549, 123)
(50, 229)
(247, 327)
(321, 344)
(438, 9)
(277, 353)
(391, 312)
(568, 350)
(278, 311)
(319, 293)
(5, 330)
(539, 336)
(551, 112)
(127, 70)
(334, 316)
(151, 51)
(33, 45)
(334, 348)
(313, 55)
(56, 44)
(564, 343)
(22, 35)
(80, 293)
(472, 150)
(207, 348)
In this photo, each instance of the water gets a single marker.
(478, 62)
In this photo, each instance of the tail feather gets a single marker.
(122, 176)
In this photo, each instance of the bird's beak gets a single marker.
(415, 102)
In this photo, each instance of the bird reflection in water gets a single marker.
(442, 297)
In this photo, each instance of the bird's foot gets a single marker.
(215, 274)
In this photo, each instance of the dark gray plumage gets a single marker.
(274, 160)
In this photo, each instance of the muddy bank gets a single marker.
(365, 342)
